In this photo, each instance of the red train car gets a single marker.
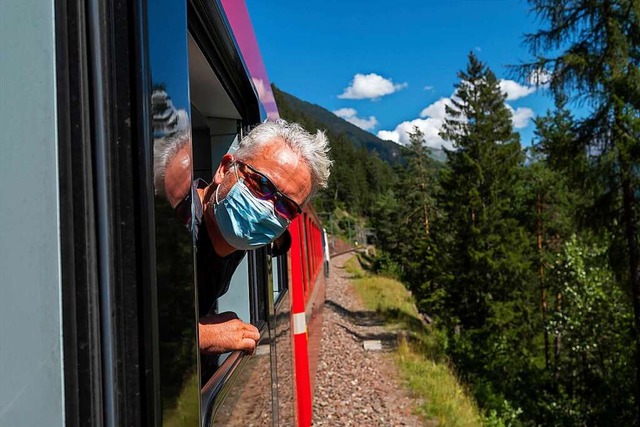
(307, 256)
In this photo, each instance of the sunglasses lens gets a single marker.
(257, 185)
(285, 208)
(265, 190)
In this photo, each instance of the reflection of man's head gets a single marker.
(166, 118)
(260, 188)
(171, 149)
(172, 166)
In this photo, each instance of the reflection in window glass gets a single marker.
(249, 400)
(167, 33)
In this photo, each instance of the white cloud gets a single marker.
(430, 122)
(370, 86)
(437, 109)
(350, 115)
(428, 88)
(432, 118)
(389, 135)
(345, 112)
(430, 127)
(520, 116)
(515, 90)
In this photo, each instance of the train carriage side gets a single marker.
(307, 283)
(107, 275)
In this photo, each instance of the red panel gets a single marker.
(303, 384)
(300, 352)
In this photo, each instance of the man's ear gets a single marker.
(224, 166)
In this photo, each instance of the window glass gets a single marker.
(237, 297)
(223, 283)
(177, 336)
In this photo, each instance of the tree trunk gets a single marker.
(626, 171)
(426, 218)
(634, 273)
(557, 345)
(543, 290)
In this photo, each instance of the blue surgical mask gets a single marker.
(245, 221)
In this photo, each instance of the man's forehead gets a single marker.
(285, 168)
(275, 153)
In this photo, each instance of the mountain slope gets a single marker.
(322, 118)
(387, 150)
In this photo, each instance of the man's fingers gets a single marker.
(248, 345)
(252, 333)
(224, 332)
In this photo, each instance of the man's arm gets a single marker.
(224, 332)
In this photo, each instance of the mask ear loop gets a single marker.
(217, 188)
(235, 170)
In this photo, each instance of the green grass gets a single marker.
(425, 370)
(352, 266)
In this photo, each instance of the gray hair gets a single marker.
(170, 135)
(165, 149)
(313, 149)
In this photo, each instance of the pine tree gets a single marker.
(552, 214)
(478, 185)
(599, 64)
(419, 184)
(486, 275)
(401, 218)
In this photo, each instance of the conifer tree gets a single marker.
(402, 217)
(552, 207)
(598, 64)
(419, 184)
(487, 264)
(477, 188)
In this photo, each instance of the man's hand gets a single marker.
(224, 332)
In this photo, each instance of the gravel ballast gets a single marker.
(354, 386)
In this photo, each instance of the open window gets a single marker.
(224, 105)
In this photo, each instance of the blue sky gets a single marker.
(381, 64)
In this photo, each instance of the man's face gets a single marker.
(282, 166)
(278, 163)
(177, 180)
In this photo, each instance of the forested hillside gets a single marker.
(359, 173)
(386, 150)
(526, 258)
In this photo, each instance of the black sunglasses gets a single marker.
(264, 189)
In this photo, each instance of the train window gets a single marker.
(277, 286)
(216, 125)
(280, 276)
(250, 402)
(176, 315)
(237, 297)
(215, 122)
